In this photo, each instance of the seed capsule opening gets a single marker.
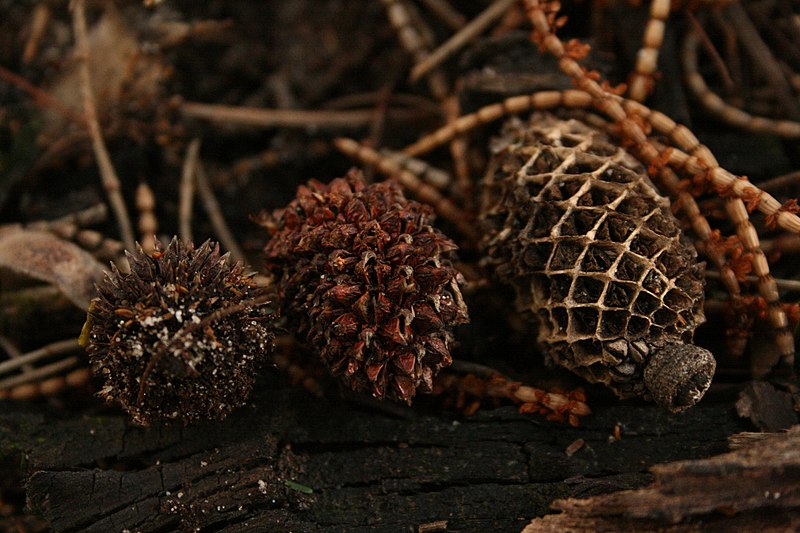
(678, 375)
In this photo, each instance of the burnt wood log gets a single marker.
(756, 488)
(291, 461)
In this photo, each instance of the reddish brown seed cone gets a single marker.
(598, 260)
(180, 336)
(366, 280)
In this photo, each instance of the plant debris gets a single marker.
(181, 336)
(598, 260)
(364, 277)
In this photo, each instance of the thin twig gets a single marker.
(432, 175)
(40, 97)
(499, 385)
(784, 284)
(446, 13)
(762, 58)
(211, 205)
(13, 352)
(641, 79)
(733, 59)
(187, 191)
(291, 118)
(469, 367)
(715, 104)
(782, 244)
(780, 183)
(41, 372)
(712, 51)
(474, 28)
(85, 217)
(378, 125)
(458, 151)
(108, 175)
(369, 99)
(416, 38)
(39, 19)
(49, 350)
(787, 45)
(148, 222)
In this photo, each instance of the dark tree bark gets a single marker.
(756, 488)
(295, 462)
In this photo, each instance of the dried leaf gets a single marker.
(769, 409)
(44, 256)
(118, 68)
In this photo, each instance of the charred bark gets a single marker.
(756, 488)
(291, 461)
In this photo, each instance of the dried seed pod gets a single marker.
(598, 259)
(365, 278)
(180, 336)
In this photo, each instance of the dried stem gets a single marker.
(369, 100)
(13, 352)
(148, 223)
(85, 217)
(474, 28)
(47, 386)
(291, 118)
(780, 183)
(434, 176)
(446, 12)
(784, 284)
(716, 58)
(556, 405)
(40, 18)
(458, 151)
(716, 105)
(416, 38)
(40, 97)
(541, 100)
(111, 182)
(187, 191)
(40, 373)
(211, 205)
(44, 352)
(782, 244)
(641, 80)
(470, 367)
(700, 163)
(762, 59)
(698, 160)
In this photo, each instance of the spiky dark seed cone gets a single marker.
(597, 258)
(179, 337)
(366, 280)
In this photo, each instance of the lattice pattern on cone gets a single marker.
(597, 258)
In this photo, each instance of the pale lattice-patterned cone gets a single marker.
(597, 259)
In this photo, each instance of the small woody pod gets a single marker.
(597, 259)
(366, 280)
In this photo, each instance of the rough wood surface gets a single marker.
(295, 462)
(756, 488)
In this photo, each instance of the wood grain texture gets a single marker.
(367, 471)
